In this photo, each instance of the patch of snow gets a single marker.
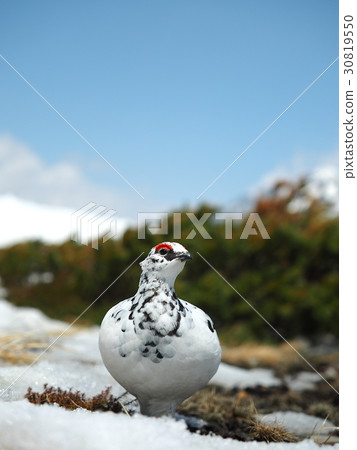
(302, 380)
(40, 277)
(23, 319)
(235, 377)
(298, 423)
(24, 220)
(90, 379)
(82, 346)
(25, 426)
(331, 373)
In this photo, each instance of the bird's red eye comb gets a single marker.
(160, 246)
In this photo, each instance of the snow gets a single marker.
(91, 379)
(23, 220)
(13, 319)
(302, 381)
(73, 361)
(25, 426)
(235, 377)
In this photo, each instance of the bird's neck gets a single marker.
(155, 281)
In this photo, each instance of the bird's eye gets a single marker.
(163, 251)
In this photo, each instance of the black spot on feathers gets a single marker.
(210, 325)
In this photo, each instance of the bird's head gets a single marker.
(165, 261)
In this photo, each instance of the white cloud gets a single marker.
(25, 175)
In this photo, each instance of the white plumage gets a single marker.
(159, 348)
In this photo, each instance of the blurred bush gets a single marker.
(291, 279)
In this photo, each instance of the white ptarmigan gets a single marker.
(159, 348)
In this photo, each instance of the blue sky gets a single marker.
(170, 93)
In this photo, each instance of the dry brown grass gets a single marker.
(209, 404)
(104, 401)
(20, 348)
(24, 348)
(232, 416)
(319, 436)
(270, 433)
(254, 354)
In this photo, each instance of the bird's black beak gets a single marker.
(183, 256)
